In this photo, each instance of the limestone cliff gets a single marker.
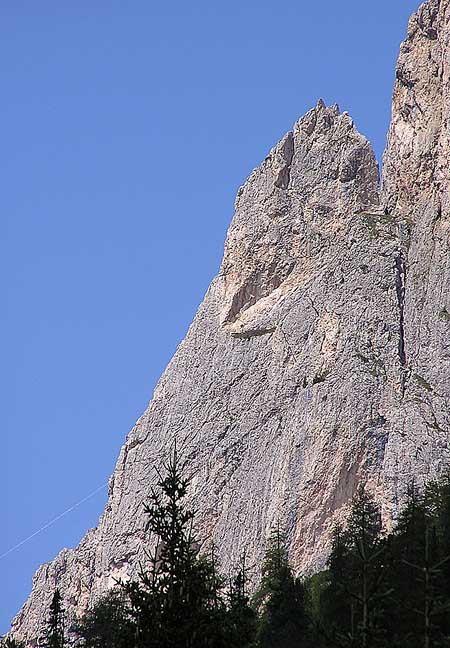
(416, 192)
(320, 356)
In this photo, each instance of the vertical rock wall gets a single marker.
(416, 194)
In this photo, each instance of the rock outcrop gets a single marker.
(320, 356)
(416, 193)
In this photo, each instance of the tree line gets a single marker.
(378, 589)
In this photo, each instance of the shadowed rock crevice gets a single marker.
(258, 285)
(400, 285)
(251, 333)
(287, 152)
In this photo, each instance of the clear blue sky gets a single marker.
(126, 130)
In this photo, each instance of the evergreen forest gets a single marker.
(379, 589)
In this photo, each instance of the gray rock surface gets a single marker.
(416, 193)
(320, 356)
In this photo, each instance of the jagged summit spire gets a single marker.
(324, 150)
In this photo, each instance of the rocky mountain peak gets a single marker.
(307, 188)
(320, 356)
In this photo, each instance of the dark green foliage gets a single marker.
(336, 605)
(406, 548)
(318, 610)
(280, 600)
(378, 591)
(387, 591)
(421, 555)
(177, 601)
(108, 624)
(365, 573)
(437, 501)
(241, 617)
(54, 636)
(355, 593)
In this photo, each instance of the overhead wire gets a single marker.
(52, 521)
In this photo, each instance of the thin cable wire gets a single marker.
(55, 519)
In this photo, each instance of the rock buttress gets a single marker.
(416, 195)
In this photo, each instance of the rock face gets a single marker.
(416, 192)
(320, 356)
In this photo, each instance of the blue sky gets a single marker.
(127, 129)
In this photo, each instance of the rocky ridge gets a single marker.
(320, 356)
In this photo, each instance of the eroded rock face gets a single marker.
(320, 356)
(416, 193)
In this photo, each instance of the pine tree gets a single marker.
(387, 590)
(176, 602)
(437, 500)
(211, 605)
(320, 607)
(280, 600)
(357, 568)
(241, 617)
(108, 624)
(406, 548)
(335, 618)
(54, 635)
(420, 586)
